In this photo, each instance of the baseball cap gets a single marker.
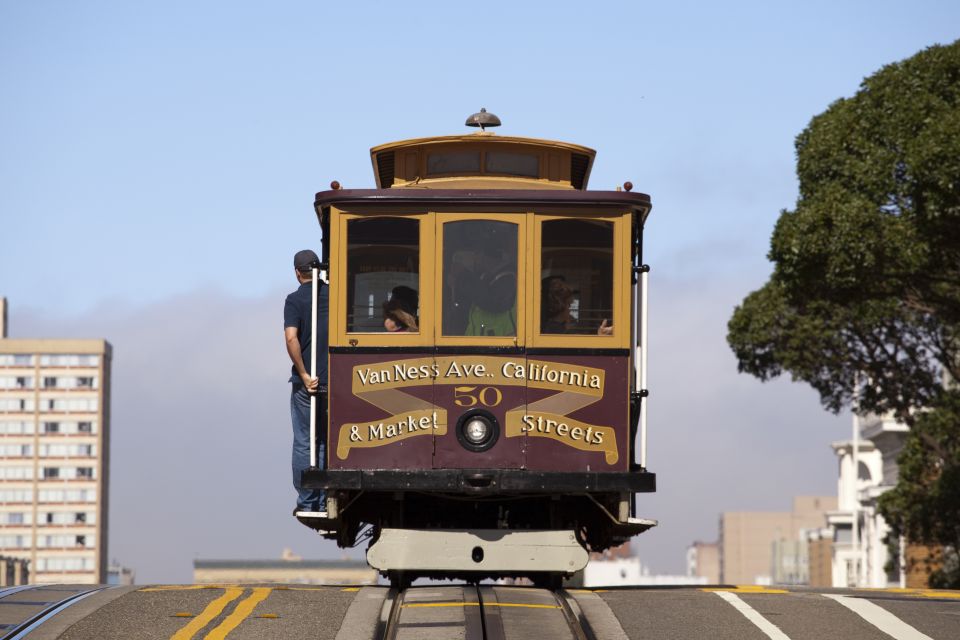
(305, 260)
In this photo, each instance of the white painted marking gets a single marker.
(772, 631)
(879, 617)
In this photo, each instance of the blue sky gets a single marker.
(158, 163)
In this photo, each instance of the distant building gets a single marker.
(703, 561)
(820, 557)
(289, 569)
(120, 575)
(622, 572)
(855, 531)
(14, 571)
(54, 445)
(753, 544)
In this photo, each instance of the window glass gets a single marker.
(576, 277)
(513, 164)
(383, 275)
(479, 278)
(453, 162)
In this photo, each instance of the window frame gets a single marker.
(520, 219)
(620, 339)
(338, 334)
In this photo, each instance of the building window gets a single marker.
(85, 472)
(85, 383)
(49, 382)
(85, 427)
(51, 427)
(50, 473)
(80, 517)
(81, 541)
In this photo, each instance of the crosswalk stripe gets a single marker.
(879, 617)
(770, 629)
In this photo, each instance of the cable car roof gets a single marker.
(482, 160)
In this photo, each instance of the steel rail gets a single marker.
(9, 591)
(31, 623)
(389, 625)
(482, 619)
(574, 618)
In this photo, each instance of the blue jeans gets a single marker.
(307, 499)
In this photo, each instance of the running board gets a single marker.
(480, 550)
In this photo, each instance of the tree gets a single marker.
(866, 279)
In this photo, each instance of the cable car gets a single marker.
(485, 412)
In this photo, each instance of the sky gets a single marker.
(158, 163)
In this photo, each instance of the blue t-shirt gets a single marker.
(297, 313)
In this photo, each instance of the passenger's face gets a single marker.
(560, 290)
(390, 325)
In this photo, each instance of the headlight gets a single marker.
(477, 430)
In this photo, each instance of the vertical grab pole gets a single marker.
(635, 345)
(644, 280)
(313, 370)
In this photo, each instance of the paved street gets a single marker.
(292, 612)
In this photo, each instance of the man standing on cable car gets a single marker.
(297, 314)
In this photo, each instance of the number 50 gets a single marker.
(487, 396)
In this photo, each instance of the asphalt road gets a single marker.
(291, 612)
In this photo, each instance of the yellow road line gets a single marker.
(477, 604)
(213, 609)
(745, 588)
(920, 593)
(187, 587)
(244, 609)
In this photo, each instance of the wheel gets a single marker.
(551, 581)
(400, 580)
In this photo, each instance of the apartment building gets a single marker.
(54, 445)
(756, 547)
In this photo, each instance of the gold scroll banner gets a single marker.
(380, 384)
(389, 430)
(573, 433)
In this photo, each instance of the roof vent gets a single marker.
(386, 170)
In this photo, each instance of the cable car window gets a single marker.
(480, 278)
(383, 275)
(513, 164)
(453, 162)
(576, 271)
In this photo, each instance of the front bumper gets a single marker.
(480, 481)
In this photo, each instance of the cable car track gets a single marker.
(481, 612)
(44, 609)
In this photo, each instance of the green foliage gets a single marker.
(866, 280)
(925, 504)
(867, 266)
